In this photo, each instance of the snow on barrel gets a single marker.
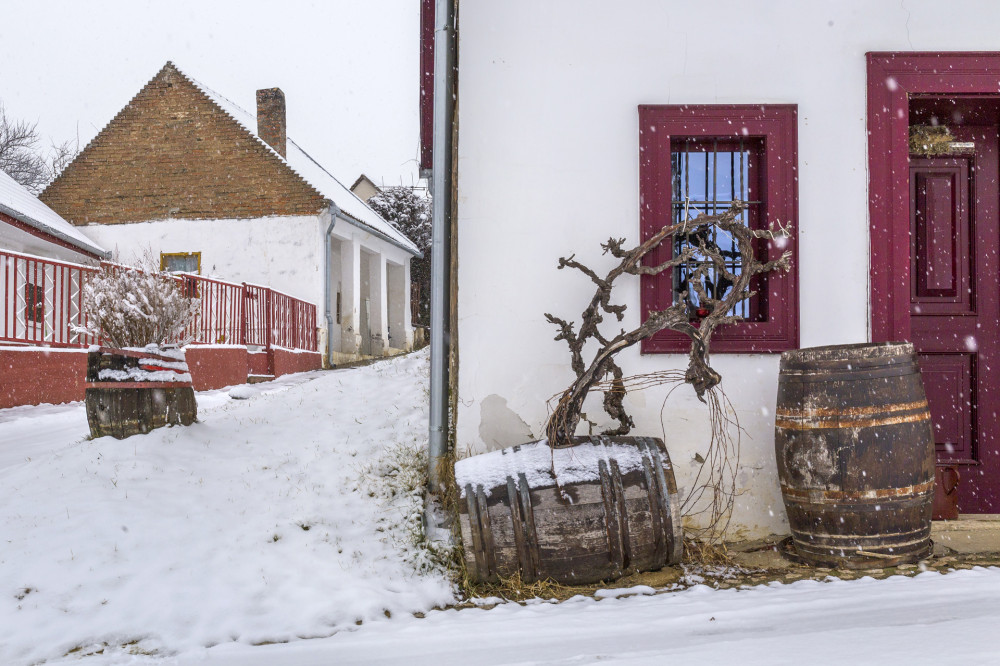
(132, 391)
(597, 510)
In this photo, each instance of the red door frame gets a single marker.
(892, 79)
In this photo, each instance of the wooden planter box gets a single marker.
(132, 391)
(611, 509)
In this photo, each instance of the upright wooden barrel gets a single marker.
(855, 454)
(132, 391)
(594, 511)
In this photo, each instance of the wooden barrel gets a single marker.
(855, 454)
(129, 392)
(595, 511)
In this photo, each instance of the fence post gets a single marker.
(244, 318)
(268, 321)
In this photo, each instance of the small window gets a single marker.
(698, 159)
(34, 303)
(180, 262)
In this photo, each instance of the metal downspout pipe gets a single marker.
(327, 292)
(441, 179)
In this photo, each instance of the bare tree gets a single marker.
(22, 158)
(19, 155)
(60, 156)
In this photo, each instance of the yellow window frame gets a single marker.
(165, 256)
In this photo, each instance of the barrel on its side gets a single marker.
(855, 454)
(129, 392)
(595, 511)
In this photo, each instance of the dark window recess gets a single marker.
(34, 303)
(709, 175)
(338, 306)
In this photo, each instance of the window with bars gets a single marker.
(697, 159)
(708, 176)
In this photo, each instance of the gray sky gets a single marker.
(349, 69)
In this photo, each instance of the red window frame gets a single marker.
(777, 126)
(426, 83)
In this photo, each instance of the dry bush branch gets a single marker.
(135, 307)
(699, 243)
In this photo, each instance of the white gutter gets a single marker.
(444, 104)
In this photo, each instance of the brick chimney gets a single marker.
(271, 118)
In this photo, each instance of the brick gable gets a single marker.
(173, 153)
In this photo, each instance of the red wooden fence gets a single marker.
(41, 302)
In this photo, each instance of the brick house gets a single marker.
(186, 174)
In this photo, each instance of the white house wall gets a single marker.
(278, 252)
(284, 253)
(548, 167)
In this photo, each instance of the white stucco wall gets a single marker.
(548, 167)
(280, 252)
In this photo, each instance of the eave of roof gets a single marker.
(21, 205)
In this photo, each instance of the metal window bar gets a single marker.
(695, 165)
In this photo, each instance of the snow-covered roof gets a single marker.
(315, 175)
(25, 207)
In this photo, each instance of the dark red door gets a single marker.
(955, 308)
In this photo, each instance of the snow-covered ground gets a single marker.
(285, 515)
(928, 620)
(266, 521)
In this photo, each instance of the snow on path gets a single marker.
(247, 526)
(927, 620)
(34, 430)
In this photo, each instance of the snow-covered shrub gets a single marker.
(131, 307)
(408, 211)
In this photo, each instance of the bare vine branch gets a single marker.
(716, 300)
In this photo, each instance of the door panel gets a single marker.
(940, 262)
(948, 380)
(955, 308)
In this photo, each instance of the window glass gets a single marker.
(181, 262)
(709, 174)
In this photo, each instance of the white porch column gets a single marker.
(407, 304)
(400, 327)
(379, 315)
(350, 298)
